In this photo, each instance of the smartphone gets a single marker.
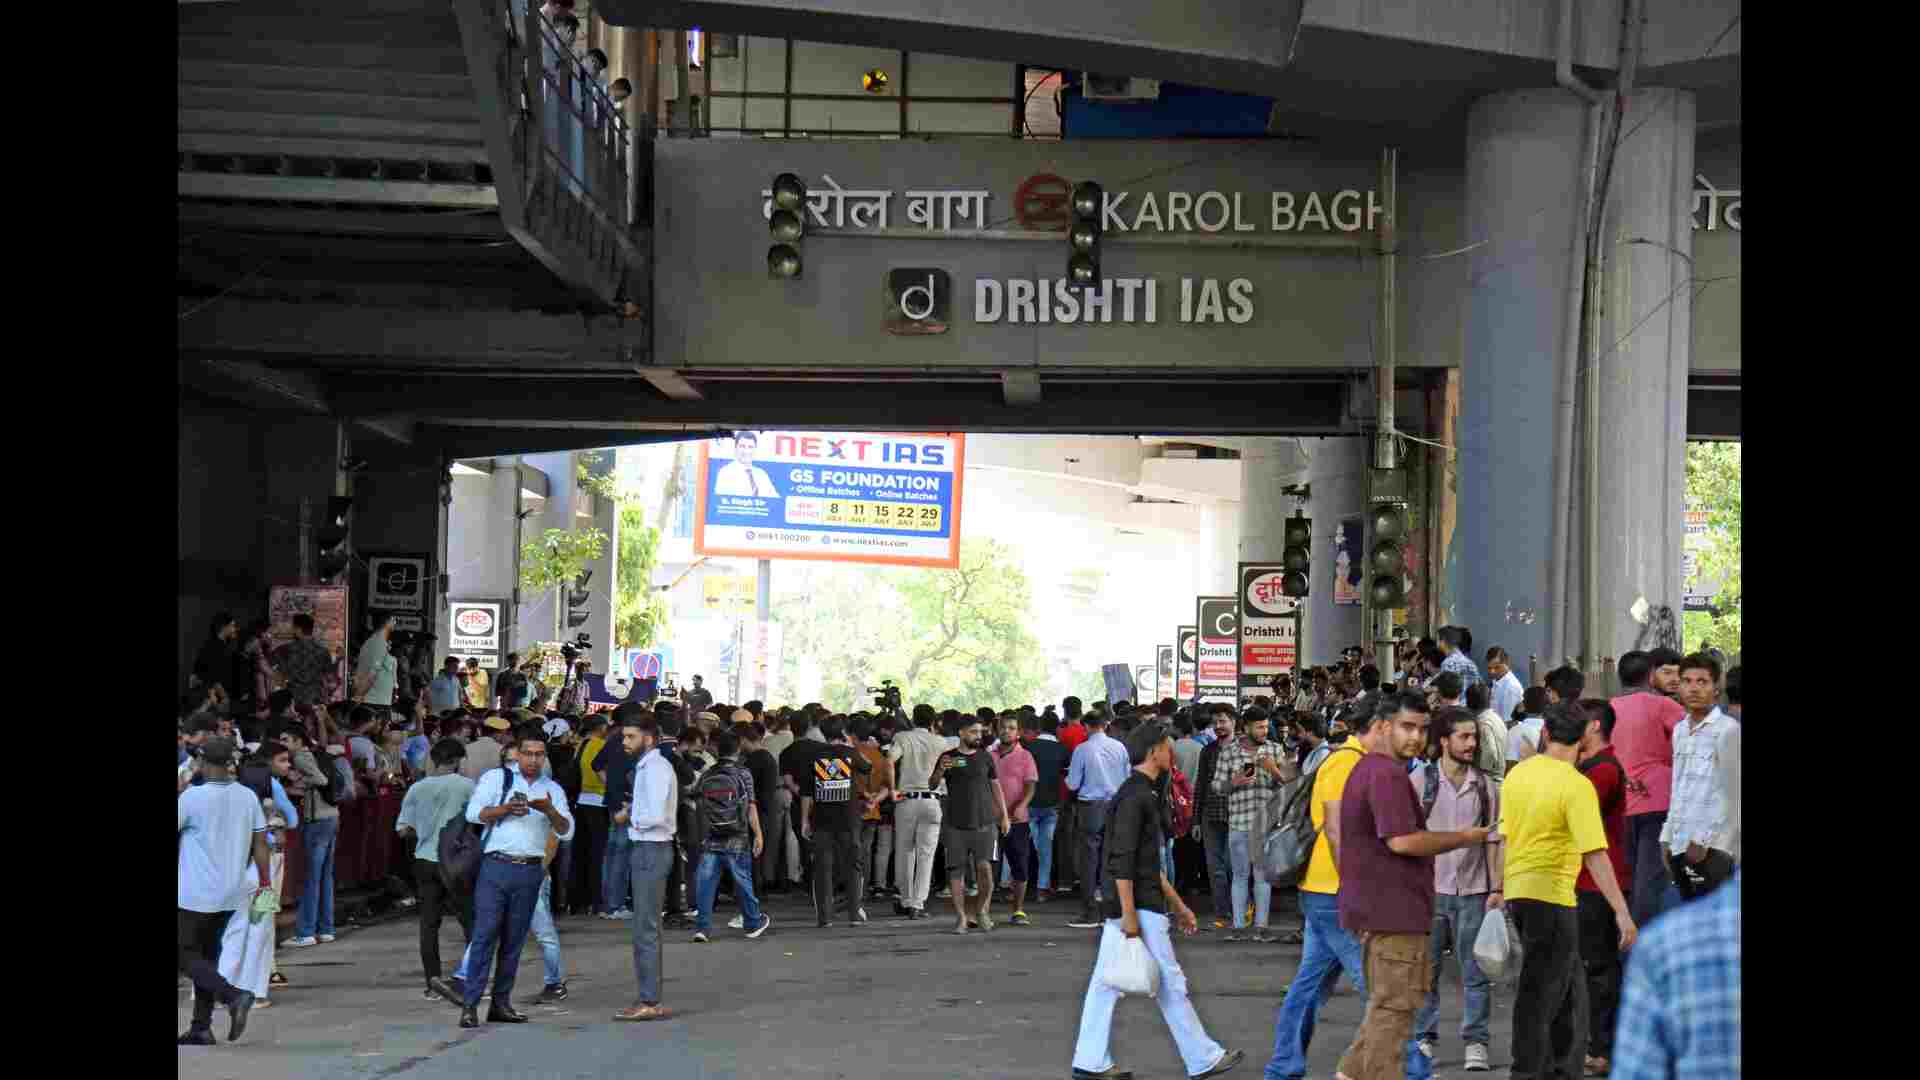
(1247, 769)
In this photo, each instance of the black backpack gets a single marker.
(721, 800)
(329, 768)
(462, 844)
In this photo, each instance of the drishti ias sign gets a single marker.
(1269, 627)
(835, 496)
(920, 301)
(476, 630)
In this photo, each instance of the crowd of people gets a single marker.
(1440, 798)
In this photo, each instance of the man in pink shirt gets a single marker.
(1643, 742)
(1014, 770)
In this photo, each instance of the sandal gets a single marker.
(276, 979)
(644, 1012)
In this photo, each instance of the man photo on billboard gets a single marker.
(741, 476)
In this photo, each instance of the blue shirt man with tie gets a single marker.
(519, 806)
(1098, 768)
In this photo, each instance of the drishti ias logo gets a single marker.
(474, 622)
(919, 301)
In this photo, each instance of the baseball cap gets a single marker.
(498, 723)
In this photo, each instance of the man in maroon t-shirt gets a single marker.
(1385, 856)
(1643, 741)
(1599, 942)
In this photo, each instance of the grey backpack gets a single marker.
(1290, 839)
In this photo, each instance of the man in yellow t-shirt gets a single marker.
(1327, 947)
(590, 818)
(1550, 817)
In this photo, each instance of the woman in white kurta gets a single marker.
(246, 952)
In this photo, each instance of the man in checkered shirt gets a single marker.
(1680, 1005)
(1249, 769)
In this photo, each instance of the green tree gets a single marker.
(1088, 686)
(558, 556)
(951, 638)
(639, 610)
(1713, 485)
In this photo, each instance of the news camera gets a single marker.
(886, 696)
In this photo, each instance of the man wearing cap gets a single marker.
(222, 831)
(484, 752)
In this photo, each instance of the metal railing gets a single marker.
(568, 131)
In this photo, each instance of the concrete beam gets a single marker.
(300, 388)
(396, 428)
(1191, 480)
(319, 189)
(1240, 44)
(1020, 388)
(323, 332)
(276, 219)
(671, 383)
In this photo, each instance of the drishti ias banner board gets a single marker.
(833, 496)
(1163, 671)
(476, 630)
(1269, 628)
(1219, 623)
(1186, 654)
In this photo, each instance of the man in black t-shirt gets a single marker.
(827, 815)
(975, 804)
(796, 773)
(766, 777)
(1050, 759)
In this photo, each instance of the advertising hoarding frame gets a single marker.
(1254, 679)
(1217, 689)
(1183, 672)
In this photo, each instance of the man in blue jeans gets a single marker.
(522, 809)
(319, 833)
(1328, 948)
(731, 844)
(1043, 813)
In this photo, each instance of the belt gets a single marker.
(919, 795)
(517, 860)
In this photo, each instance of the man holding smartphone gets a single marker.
(521, 807)
(1249, 770)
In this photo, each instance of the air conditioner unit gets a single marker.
(1096, 87)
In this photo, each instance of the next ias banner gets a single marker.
(835, 496)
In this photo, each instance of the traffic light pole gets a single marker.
(1383, 448)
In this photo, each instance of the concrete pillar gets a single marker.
(1337, 469)
(1219, 549)
(301, 458)
(1525, 151)
(1645, 350)
(396, 506)
(1266, 466)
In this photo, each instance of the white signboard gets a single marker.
(476, 631)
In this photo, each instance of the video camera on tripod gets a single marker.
(887, 697)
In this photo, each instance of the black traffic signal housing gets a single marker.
(332, 539)
(787, 223)
(1086, 203)
(577, 597)
(1296, 556)
(1387, 557)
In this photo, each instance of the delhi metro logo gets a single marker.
(918, 301)
(1040, 203)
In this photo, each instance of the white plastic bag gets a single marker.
(1130, 968)
(1492, 945)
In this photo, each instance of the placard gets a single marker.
(1186, 655)
(1269, 628)
(1218, 620)
(836, 496)
(1163, 671)
(476, 630)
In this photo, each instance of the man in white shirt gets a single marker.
(520, 807)
(1490, 747)
(1507, 688)
(221, 829)
(649, 820)
(741, 476)
(1696, 836)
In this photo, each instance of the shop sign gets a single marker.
(1269, 627)
(1722, 207)
(1217, 670)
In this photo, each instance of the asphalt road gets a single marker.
(885, 1001)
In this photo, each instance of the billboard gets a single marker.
(1216, 671)
(1186, 654)
(328, 606)
(835, 496)
(476, 631)
(1163, 671)
(1349, 566)
(731, 594)
(1269, 628)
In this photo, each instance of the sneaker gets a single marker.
(1427, 1048)
(620, 916)
(430, 994)
(1261, 937)
(1477, 1058)
(766, 920)
(1084, 922)
(699, 937)
(738, 922)
(1237, 935)
(299, 943)
(859, 916)
(1019, 918)
(554, 993)
(945, 893)
(326, 938)
(973, 891)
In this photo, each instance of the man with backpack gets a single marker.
(727, 824)
(1455, 794)
(319, 833)
(1249, 769)
(1327, 947)
(429, 805)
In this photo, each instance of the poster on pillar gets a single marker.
(1215, 677)
(1349, 568)
(1269, 628)
(1162, 671)
(397, 584)
(328, 606)
(1186, 654)
(477, 630)
(891, 498)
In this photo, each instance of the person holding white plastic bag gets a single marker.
(1136, 905)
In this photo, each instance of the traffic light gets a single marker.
(331, 540)
(1083, 233)
(577, 597)
(788, 224)
(1387, 559)
(1296, 556)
